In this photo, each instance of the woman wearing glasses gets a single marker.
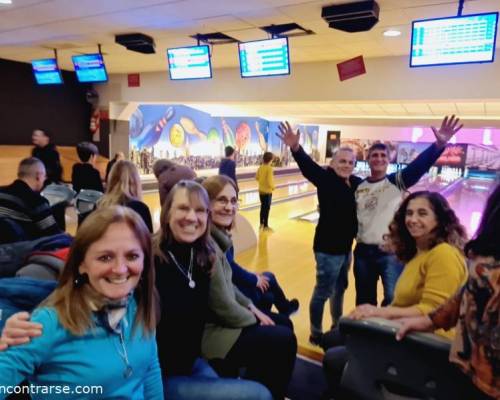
(239, 333)
(262, 288)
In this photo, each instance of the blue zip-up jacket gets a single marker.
(22, 294)
(59, 358)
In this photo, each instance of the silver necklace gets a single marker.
(123, 354)
(189, 275)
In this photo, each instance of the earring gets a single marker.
(80, 280)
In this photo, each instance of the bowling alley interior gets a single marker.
(191, 90)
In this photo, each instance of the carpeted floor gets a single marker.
(308, 381)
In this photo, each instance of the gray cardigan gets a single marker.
(227, 303)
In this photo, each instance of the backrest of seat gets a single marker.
(58, 193)
(86, 200)
(381, 368)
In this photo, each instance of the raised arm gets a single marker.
(418, 167)
(312, 171)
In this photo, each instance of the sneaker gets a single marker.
(316, 340)
(293, 307)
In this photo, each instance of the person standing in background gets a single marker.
(47, 153)
(84, 174)
(266, 186)
(377, 198)
(118, 157)
(228, 165)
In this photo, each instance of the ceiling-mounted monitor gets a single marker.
(90, 68)
(191, 62)
(47, 72)
(269, 57)
(454, 40)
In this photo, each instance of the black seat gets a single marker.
(381, 368)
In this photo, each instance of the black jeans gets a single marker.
(272, 296)
(268, 355)
(265, 206)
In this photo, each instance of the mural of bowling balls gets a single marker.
(213, 135)
(136, 123)
(243, 134)
(176, 135)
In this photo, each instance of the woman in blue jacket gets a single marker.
(98, 325)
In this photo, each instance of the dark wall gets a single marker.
(24, 105)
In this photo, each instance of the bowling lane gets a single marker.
(290, 190)
(251, 184)
(468, 201)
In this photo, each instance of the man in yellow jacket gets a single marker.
(266, 186)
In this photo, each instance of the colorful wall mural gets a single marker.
(196, 138)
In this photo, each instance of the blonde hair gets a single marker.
(74, 304)
(124, 185)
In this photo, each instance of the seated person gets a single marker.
(426, 235)
(263, 289)
(104, 305)
(239, 335)
(24, 213)
(474, 310)
(168, 173)
(85, 175)
(124, 188)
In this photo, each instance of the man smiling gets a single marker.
(336, 227)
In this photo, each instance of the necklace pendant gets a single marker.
(128, 372)
(192, 284)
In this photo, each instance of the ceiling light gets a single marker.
(5, 1)
(392, 33)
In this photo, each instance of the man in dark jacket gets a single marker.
(24, 213)
(228, 165)
(47, 153)
(336, 227)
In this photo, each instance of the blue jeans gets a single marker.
(204, 383)
(369, 263)
(331, 282)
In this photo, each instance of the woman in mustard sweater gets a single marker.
(427, 236)
(266, 186)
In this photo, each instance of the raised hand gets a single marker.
(288, 136)
(448, 128)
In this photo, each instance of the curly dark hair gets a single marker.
(448, 229)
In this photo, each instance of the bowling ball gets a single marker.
(213, 135)
(177, 135)
(136, 123)
(243, 134)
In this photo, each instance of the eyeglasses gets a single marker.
(224, 201)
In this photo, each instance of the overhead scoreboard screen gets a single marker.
(90, 68)
(191, 62)
(47, 72)
(264, 58)
(454, 40)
